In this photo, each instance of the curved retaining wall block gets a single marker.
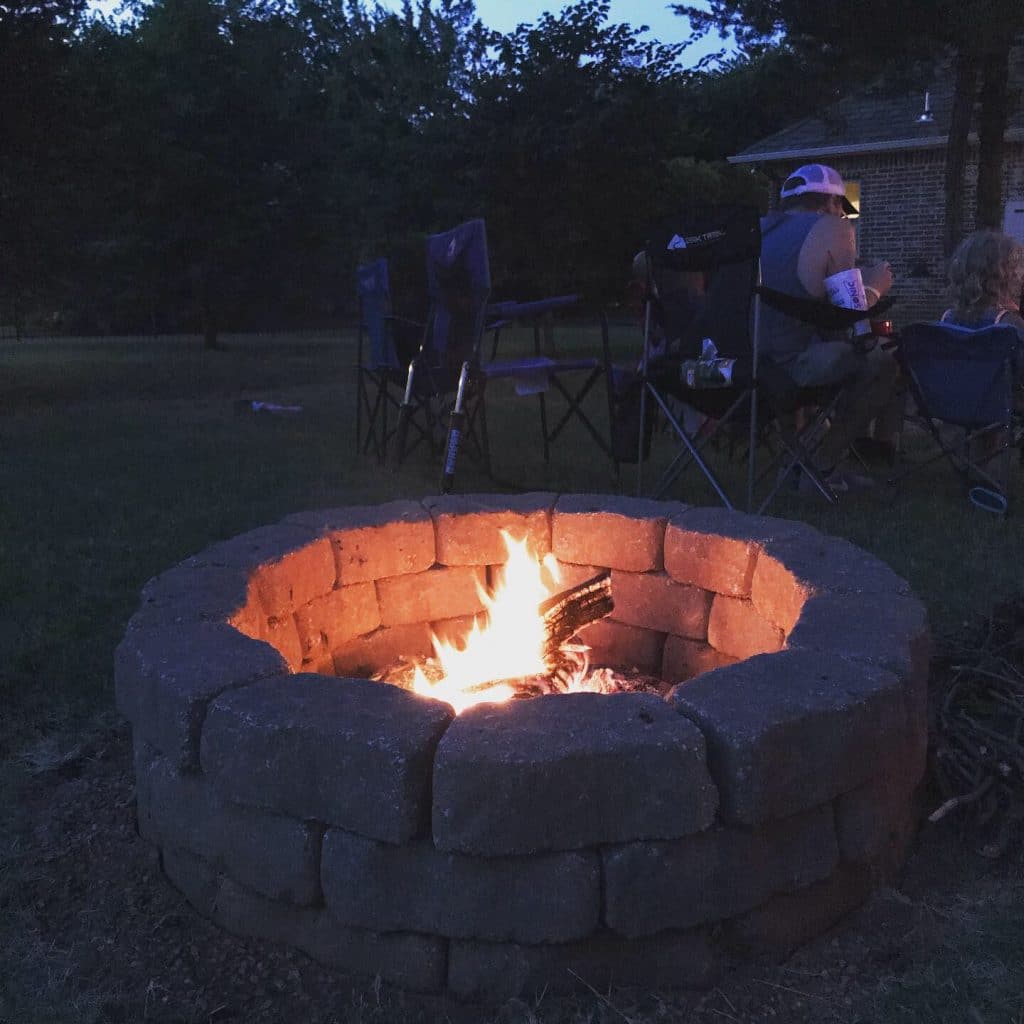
(621, 839)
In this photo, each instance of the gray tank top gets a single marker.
(783, 235)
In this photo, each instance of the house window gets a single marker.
(853, 193)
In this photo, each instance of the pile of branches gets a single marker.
(978, 727)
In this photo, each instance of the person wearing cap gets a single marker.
(804, 241)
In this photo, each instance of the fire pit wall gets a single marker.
(624, 839)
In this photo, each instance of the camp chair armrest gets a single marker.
(818, 312)
(404, 320)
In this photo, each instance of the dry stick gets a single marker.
(953, 802)
(786, 988)
(604, 999)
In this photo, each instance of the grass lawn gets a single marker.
(120, 457)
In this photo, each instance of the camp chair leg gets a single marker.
(797, 454)
(456, 427)
(361, 400)
(544, 425)
(573, 408)
(684, 458)
(397, 453)
(606, 360)
(752, 451)
(692, 449)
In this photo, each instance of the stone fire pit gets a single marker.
(623, 839)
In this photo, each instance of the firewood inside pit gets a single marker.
(564, 614)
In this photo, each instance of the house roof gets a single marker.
(877, 120)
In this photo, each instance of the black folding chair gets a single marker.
(962, 382)
(718, 249)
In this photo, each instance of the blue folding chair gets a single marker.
(383, 340)
(447, 376)
(965, 378)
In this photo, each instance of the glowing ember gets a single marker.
(510, 644)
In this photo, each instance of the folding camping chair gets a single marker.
(718, 247)
(965, 378)
(385, 344)
(447, 376)
(539, 373)
(687, 329)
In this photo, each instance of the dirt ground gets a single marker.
(91, 931)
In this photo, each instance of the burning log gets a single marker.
(563, 615)
(567, 613)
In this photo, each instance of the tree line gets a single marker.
(209, 165)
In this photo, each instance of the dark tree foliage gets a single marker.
(212, 165)
(36, 188)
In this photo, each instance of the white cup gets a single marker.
(846, 289)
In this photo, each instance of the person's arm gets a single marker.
(832, 247)
(877, 280)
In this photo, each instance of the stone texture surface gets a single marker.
(417, 962)
(788, 920)
(876, 823)
(372, 542)
(288, 564)
(815, 749)
(654, 601)
(791, 570)
(348, 752)
(624, 647)
(792, 730)
(328, 622)
(434, 594)
(613, 531)
(737, 629)
(165, 679)
(187, 594)
(714, 874)
(683, 659)
(495, 972)
(415, 887)
(276, 856)
(567, 772)
(296, 578)
(282, 634)
(716, 549)
(468, 526)
(379, 649)
(262, 546)
(890, 630)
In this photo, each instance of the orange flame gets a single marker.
(510, 645)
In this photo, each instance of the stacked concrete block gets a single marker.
(631, 838)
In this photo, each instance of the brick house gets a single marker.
(891, 151)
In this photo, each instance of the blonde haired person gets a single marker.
(986, 273)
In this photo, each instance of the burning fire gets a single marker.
(509, 645)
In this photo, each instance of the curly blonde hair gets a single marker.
(986, 272)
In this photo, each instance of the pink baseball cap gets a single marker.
(817, 178)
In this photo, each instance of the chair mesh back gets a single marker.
(964, 375)
(459, 283)
(718, 246)
(374, 309)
